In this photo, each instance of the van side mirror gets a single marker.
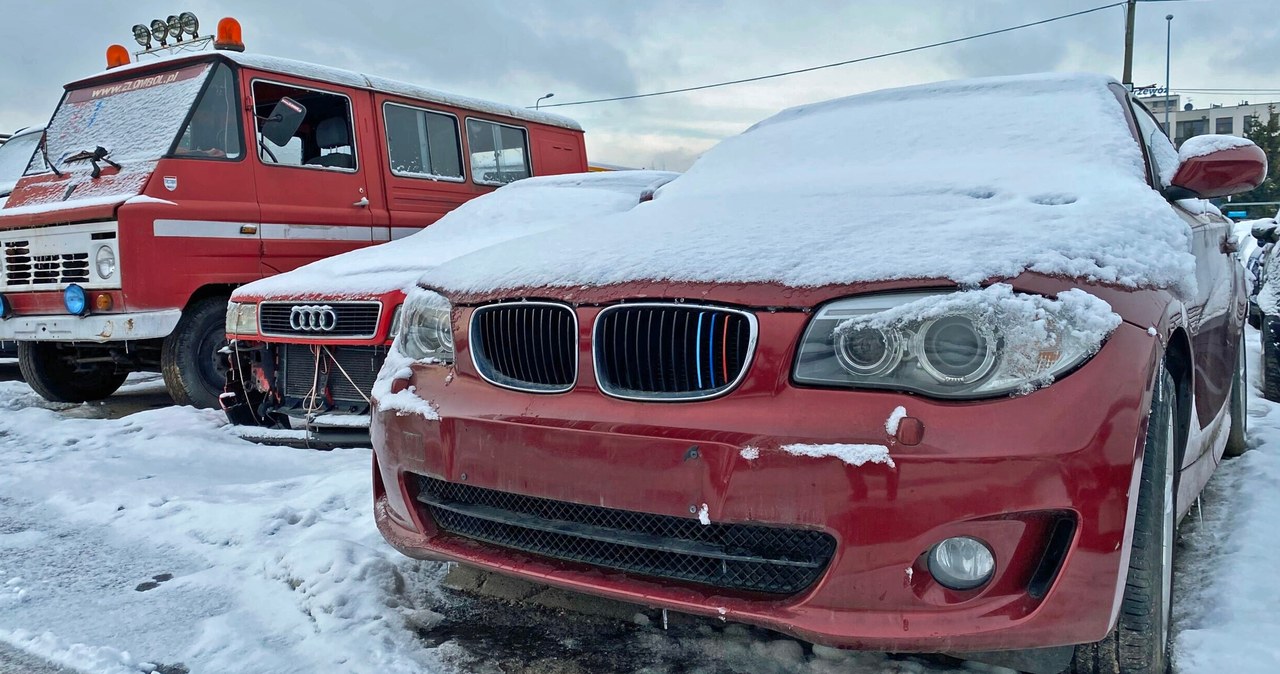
(283, 122)
(1217, 166)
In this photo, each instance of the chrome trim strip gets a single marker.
(475, 361)
(752, 336)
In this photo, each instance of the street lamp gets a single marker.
(535, 103)
(1168, 43)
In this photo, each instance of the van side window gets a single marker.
(422, 144)
(499, 153)
(213, 132)
(324, 139)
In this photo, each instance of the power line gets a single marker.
(843, 63)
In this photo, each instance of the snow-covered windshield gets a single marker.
(14, 155)
(134, 120)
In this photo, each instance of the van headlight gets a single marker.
(242, 319)
(966, 344)
(105, 261)
(426, 329)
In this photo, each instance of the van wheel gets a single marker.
(1236, 441)
(51, 371)
(1140, 640)
(189, 357)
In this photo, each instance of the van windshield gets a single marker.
(14, 155)
(135, 120)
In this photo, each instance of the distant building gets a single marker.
(1233, 120)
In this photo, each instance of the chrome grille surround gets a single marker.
(353, 320)
(604, 359)
(533, 367)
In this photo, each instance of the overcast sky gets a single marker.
(514, 51)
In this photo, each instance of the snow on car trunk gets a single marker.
(966, 180)
(518, 209)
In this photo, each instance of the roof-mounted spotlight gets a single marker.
(160, 31)
(175, 27)
(143, 35)
(189, 23)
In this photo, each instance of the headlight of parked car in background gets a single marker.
(968, 344)
(242, 319)
(426, 330)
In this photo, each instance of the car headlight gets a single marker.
(105, 261)
(965, 344)
(395, 321)
(426, 330)
(242, 319)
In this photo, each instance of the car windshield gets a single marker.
(133, 120)
(14, 156)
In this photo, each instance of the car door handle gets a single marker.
(1228, 244)
(364, 201)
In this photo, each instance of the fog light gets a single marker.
(102, 302)
(5, 309)
(74, 299)
(961, 563)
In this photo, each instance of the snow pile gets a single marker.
(854, 455)
(1038, 335)
(895, 419)
(406, 402)
(515, 210)
(1199, 146)
(1225, 606)
(965, 181)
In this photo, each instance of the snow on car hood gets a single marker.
(965, 180)
(513, 211)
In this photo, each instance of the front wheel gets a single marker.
(1139, 643)
(52, 371)
(189, 357)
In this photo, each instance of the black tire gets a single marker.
(1140, 640)
(1237, 442)
(1271, 357)
(51, 371)
(189, 357)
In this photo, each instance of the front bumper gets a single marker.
(1003, 470)
(91, 328)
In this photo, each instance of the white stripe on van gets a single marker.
(316, 232)
(203, 229)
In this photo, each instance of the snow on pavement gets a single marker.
(162, 542)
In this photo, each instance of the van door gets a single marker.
(318, 191)
(425, 173)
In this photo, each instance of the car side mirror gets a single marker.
(1266, 233)
(1217, 166)
(283, 122)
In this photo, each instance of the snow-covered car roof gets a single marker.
(516, 210)
(348, 78)
(964, 180)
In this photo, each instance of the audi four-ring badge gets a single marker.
(313, 318)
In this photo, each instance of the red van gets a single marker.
(929, 369)
(174, 180)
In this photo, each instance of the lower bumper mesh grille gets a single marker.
(746, 557)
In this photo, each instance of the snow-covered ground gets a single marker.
(162, 542)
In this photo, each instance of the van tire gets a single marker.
(189, 357)
(1270, 336)
(1139, 642)
(52, 373)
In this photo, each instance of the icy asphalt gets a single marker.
(140, 537)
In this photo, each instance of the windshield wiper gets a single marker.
(44, 150)
(99, 154)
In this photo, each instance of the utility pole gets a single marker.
(1130, 10)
